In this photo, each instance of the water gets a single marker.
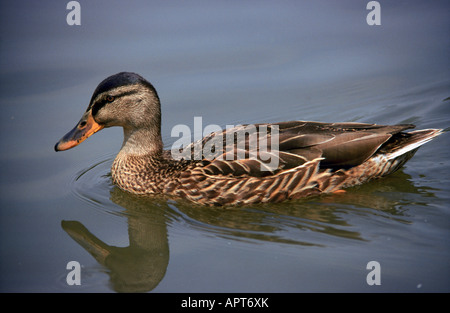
(234, 62)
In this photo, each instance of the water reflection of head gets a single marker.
(140, 266)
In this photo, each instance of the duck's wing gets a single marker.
(266, 149)
(343, 145)
(313, 158)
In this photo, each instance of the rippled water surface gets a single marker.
(230, 63)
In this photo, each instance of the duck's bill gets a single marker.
(86, 127)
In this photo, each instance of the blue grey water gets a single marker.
(229, 62)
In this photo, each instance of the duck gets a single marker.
(307, 158)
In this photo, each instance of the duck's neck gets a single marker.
(141, 142)
(139, 165)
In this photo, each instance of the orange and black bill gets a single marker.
(86, 127)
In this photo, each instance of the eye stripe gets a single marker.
(106, 99)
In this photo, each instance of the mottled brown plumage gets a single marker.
(312, 157)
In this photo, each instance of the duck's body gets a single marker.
(311, 157)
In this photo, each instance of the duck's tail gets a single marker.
(389, 158)
(409, 142)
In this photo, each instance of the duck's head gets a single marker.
(124, 99)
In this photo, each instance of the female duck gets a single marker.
(312, 157)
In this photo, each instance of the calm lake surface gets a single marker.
(228, 62)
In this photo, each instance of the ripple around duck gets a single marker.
(320, 221)
(92, 184)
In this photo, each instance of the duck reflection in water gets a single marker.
(142, 265)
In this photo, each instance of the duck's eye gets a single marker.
(110, 98)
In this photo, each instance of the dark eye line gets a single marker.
(108, 99)
(111, 98)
